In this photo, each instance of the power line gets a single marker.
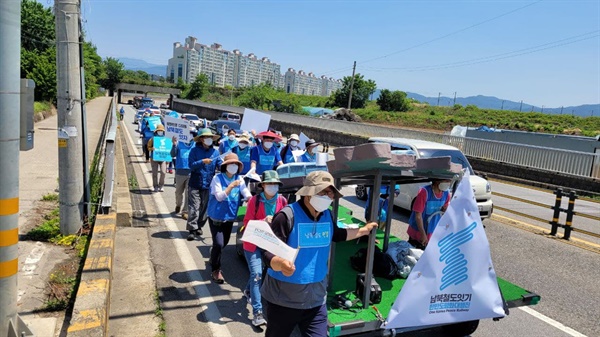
(515, 53)
(436, 39)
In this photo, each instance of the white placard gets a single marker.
(297, 154)
(260, 233)
(255, 120)
(176, 127)
(454, 280)
(322, 158)
(303, 139)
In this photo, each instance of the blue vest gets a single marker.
(289, 155)
(244, 157)
(432, 205)
(314, 240)
(227, 209)
(266, 161)
(148, 133)
(306, 158)
(183, 152)
(227, 145)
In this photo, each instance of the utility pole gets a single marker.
(10, 133)
(542, 109)
(521, 106)
(439, 94)
(561, 109)
(351, 86)
(70, 127)
(502, 108)
(454, 103)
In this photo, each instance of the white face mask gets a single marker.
(208, 141)
(293, 143)
(231, 137)
(271, 190)
(444, 186)
(320, 202)
(160, 133)
(268, 145)
(232, 168)
(242, 145)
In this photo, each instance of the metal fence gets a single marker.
(555, 160)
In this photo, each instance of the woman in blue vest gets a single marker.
(296, 292)
(228, 143)
(310, 155)
(242, 149)
(430, 199)
(265, 156)
(287, 155)
(226, 190)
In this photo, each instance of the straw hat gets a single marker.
(232, 158)
(205, 133)
(244, 138)
(317, 181)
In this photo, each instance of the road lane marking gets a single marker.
(203, 296)
(552, 322)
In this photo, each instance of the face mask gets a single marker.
(271, 189)
(242, 145)
(444, 186)
(160, 133)
(208, 141)
(232, 168)
(293, 143)
(312, 150)
(320, 202)
(268, 145)
(231, 137)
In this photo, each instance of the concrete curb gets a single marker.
(124, 209)
(90, 313)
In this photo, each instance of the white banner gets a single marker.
(255, 120)
(454, 280)
(303, 139)
(260, 234)
(177, 127)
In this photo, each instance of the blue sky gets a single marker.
(542, 52)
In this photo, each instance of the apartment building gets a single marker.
(232, 68)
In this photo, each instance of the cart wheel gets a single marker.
(460, 329)
(361, 192)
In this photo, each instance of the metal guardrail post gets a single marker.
(570, 213)
(556, 209)
(109, 162)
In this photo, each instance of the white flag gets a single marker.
(260, 233)
(454, 280)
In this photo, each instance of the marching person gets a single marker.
(226, 190)
(227, 144)
(242, 149)
(296, 292)
(181, 153)
(158, 167)
(430, 199)
(147, 133)
(310, 155)
(203, 161)
(265, 156)
(287, 155)
(260, 207)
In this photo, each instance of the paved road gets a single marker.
(565, 276)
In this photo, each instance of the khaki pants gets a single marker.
(158, 168)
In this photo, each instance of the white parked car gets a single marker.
(426, 149)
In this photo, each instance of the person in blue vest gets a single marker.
(121, 113)
(146, 135)
(181, 153)
(310, 155)
(203, 161)
(287, 155)
(422, 222)
(265, 156)
(242, 149)
(296, 292)
(158, 167)
(227, 144)
(226, 190)
(383, 204)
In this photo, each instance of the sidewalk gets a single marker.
(38, 176)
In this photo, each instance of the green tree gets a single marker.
(37, 26)
(393, 100)
(114, 74)
(257, 97)
(94, 70)
(198, 88)
(41, 68)
(362, 89)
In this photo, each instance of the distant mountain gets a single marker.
(136, 64)
(490, 102)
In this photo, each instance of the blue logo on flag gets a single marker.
(456, 269)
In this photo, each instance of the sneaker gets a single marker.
(217, 276)
(199, 232)
(247, 296)
(177, 209)
(160, 189)
(259, 319)
(191, 236)
(155, 189)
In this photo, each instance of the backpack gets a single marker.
(383, 264)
